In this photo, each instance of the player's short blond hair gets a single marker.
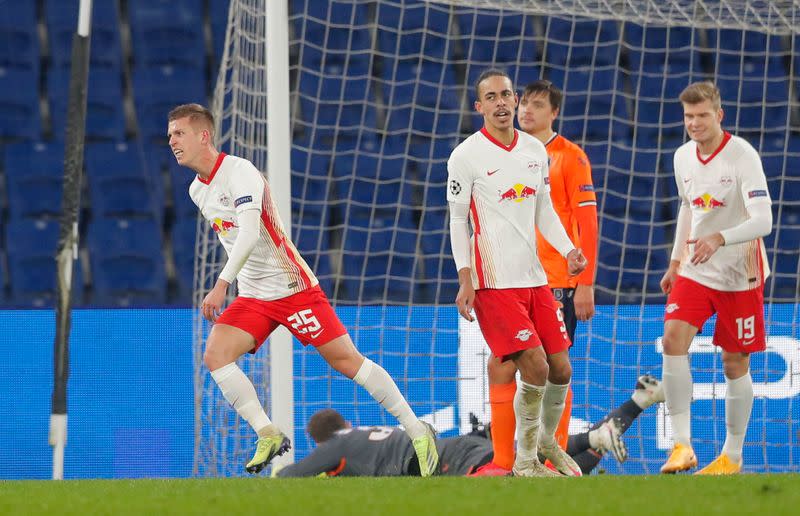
(697, 92)
(196, 113)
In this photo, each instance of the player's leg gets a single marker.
(230, 338)
(689, 305)
(588, 448)
(549, 321)
(565, 296)
(739, 332)
(502, 389)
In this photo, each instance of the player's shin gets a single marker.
(380, 386)
(238, 390)
(528, 408)
(552, 408)
(738, 405)
(677, 383)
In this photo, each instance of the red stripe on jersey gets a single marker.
(478, 261)
(213, 170)
(279, 239)
(726, 136)
(497, 142)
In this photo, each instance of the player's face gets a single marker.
(703, 121)
(186, 141)
(497, 102)
(536, 114)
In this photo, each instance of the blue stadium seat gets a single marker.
(167, 32)
(181, 178)
(734, 42)
(127, 262)
(32, 247)
(19, 103)
(119, 185)
(105, 116)
(34, 178)
(491, 38)
(423, 96)
(337, 81)
(755, 95)
(332, 31)
(311, 235)
(159, 89)
(581, 42)
(591, 107)
(184, 237)
(440, 279)
(19, 39)
(218, 14)
(416, 28)
(61, 18)
(651, 46)
(379, 256)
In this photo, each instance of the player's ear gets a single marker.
(477, 106)
(720, 115)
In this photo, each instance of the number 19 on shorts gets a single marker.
(746, 327)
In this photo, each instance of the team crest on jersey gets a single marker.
(524, 335)
(726, 180)
(707, 202)
(517, 193)
(535, 166)
(224, 200)
(221, 227)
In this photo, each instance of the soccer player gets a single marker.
(718, 266)
(572, 193)
(386, 452)
(498, 177)
(276, 287)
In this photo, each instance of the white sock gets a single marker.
(552, 408)
(677, 383)
(738, 404)
(237, 388)
(528, 409)
(380, 386)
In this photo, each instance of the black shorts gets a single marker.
(566, 298)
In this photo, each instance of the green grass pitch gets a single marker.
(599, 494)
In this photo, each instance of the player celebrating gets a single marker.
(499, 178)
(724, 212)
(572, 193)
(386, 452)
(276, 287)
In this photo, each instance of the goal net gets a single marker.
(382, 91)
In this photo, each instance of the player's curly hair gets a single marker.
(324, 424)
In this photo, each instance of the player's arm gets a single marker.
(553, 231)
(326, 459)
(247, 189)
(583, 201)
(753, 188)
(459, 196)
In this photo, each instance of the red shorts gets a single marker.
(740, 314)
(514, 319)
(307, 314)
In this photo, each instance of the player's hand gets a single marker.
(669, 277)
(465, 300)
(576, 262)
(212, 304)
(583, 299)
(705, 247)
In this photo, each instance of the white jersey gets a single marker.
(718, 191)
(274, 269)
(501, 184)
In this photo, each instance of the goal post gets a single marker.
(380, 92)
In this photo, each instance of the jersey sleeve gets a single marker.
(246, 185)
(326, 458)
(753, 180)
(459, 180)
(578, 180)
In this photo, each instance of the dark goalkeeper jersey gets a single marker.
(387, 452)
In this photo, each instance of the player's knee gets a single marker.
(217, 354)
(347, 364)
(673, 344)
(500, 372)
(560, 372)
(532, 365)
(735, 365)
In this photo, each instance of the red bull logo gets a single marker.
(517, 193)
(707, 202)
(222, 226)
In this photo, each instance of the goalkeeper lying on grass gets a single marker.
(387, 451)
